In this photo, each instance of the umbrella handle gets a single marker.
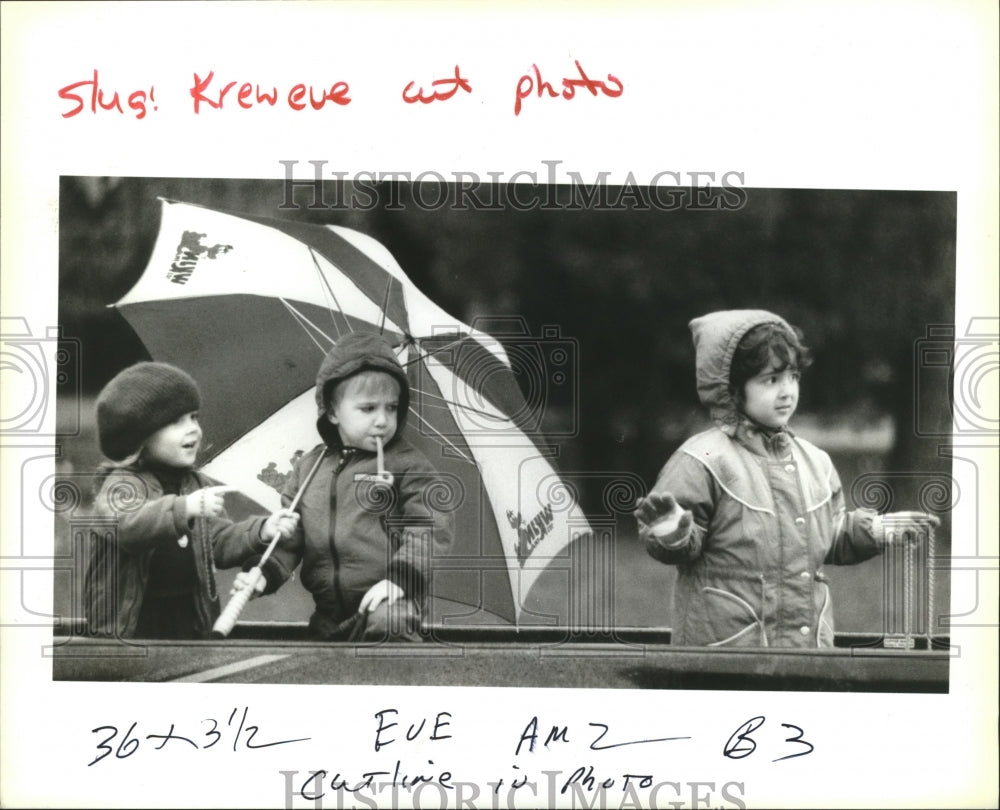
(292, 505)
(224, 624)
(309, 477)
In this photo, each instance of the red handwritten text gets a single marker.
(249, 95)
(136, 101)
(437, 95)
(526, 85)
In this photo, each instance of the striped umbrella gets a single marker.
(249, 306)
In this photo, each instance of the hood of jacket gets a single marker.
(358, 351)
(716, 337)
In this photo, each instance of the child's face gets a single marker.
(364, 407)
(770, 397)
(176, 444)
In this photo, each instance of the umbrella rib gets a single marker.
(303, 322)
(326, 284)
(385, 306)
(426, 353)
(443, 438)
(469, 408)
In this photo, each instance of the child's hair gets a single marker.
(764, 345)
(369, 381)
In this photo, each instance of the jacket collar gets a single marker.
(762, 441)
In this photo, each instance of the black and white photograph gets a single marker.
(542, 415)
(410, 405)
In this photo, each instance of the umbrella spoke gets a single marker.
(402, 349)
(385, 306)
(422, 353)
(468, 408)
(304, 322)
(444, 439)
(328, 291)
(502, 416)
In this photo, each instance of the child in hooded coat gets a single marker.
(747, 511)
(365, 550)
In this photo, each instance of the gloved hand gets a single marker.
(661, 515)
(246, 579)
(206, 502)
(906, 527)
(281, 521)
(382, 591)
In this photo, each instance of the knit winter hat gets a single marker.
(138, 402)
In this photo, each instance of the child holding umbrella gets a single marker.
(368, 528)
(153, 575)
(747, 511)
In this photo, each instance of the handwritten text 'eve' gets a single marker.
(209, 92)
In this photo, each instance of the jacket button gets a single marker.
(806, 575)
(800, 521)
(804, 630)
(789, 468)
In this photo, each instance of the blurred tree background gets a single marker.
(863, 273)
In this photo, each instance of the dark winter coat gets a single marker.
(352, 534)
(133, 518)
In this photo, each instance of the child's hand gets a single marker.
(663, 517)
(384, 591)
(243, 581)
(206, 502)
(280, 522)
(908, 527)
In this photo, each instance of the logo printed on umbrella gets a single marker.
(189, 252)
(270, 475)
(531, 534)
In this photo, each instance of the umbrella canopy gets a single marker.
(249, 307)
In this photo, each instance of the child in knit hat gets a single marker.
(152, 574)
(747, 511)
